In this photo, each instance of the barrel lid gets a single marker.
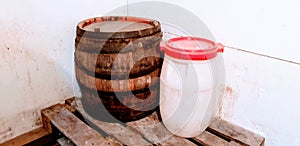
(117, 26)
(114, 27)
(192, 48)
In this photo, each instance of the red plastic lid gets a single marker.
(192, 48)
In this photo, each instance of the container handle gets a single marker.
(220, 48)
(163, 46)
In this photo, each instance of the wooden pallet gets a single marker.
(72, 126)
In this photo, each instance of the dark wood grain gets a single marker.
(94, 45)
(235, 133)
(119, 65)
(117, 85)
(27, 137)
(115, 130)
(124, 107)
(73, 128)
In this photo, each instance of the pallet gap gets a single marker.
(214, 132)
(143, 137)
(50, 139)
(157, 110)
(45, 140)
(194, 141)
(138, 132)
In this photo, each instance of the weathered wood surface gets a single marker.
(146, 131)
(94, 45)
(129, 64)
(27, 137)
(122, 106)
(72, 127)
(208, 139)
(235, 133)
(117, 85)
(154, 131)
(119, 54)
(135, 133)
(115, 130)
(81, 31)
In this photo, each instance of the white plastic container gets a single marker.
(189, 86)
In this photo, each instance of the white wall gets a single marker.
(261, 92)
(36, 57)
(262, 75)
(261, 95)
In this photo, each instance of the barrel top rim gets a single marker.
(154, 27)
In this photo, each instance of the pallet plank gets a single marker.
(235, 133)
(74, 129)
(115, 130)
(208, 139)
(150, 130)
(27, 137)
(77, 126)
(154, 131)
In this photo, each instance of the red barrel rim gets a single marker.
(192, 48)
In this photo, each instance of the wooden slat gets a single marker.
(115, 130)
(234, 143)
(235, 133)
(74, 129)
(27, 137)
(219, 132)
(142, 132)
(208, 139)
(45, 119)
(154, 131)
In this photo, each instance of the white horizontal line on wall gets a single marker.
(263, 55)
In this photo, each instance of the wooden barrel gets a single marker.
(117, 65)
